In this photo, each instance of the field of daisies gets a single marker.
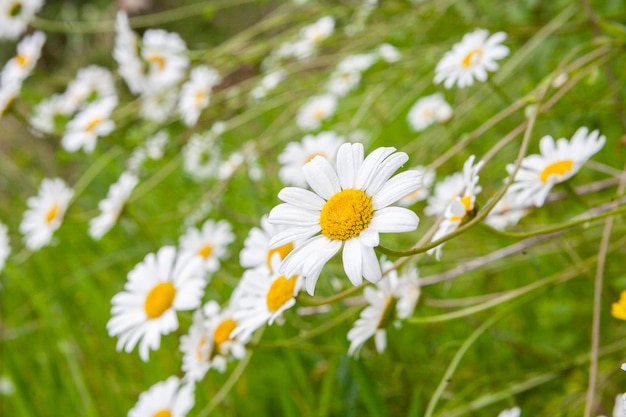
(313, 208)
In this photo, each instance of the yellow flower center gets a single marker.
(22, 60)
(280, 292)
(471, 57)
(556, 168)
(310, 157)
(618, 310)
(201, 344)
(467, 202)
(346, 214)
(223, 330)
(157, 60)
(93, 124)
(282, 251)
(52, 213)
(200, 97)
(163, 413)
(159, 299)
(318, 114)
(205, 251)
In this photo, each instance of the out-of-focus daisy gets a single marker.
(195, 93)
(619, 409)
(5, 248)
(223, 344)
(265, 295)
(393, 298)
(87, 126)
(507, 212)
(201, 156)
(91, 84)
(51, 114)
(445, 191)
(511, 412)
(356, 62)
(169, 398)
(461, 206)
(341, 83)
(111, 206)
(256, 250)
(618, 309)
(389, 53)
(8, 93)
(428, 110)
(45, 212)
(166, 56)
(318, 31)
(269, 82)
(210, 242)
(348, 208)
(471, 58)
(126, 53)
(15, 15)
(20, 66)
(296, 154)
(195, 348)
(559, 161)
(315, 110)
(158, 287)
(158, 105)
(428, 177)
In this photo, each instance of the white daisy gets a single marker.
(8, 93)
(111, 206)
(201, 156)
(318, 31)
(155, 145)
(348, 205)
(158, 287)
(296, 154)
(299, 49)
(21, 65)
(87, 126)
(389, 53)
(341, 83)
(559, 161)
(126, 54)
(169, 398)
(315, 110)
(91, 84)
(45, 212)
(356, 62)
(619, 410)
(256, 250)
(210, 242)
(428, 110)
(393, 297)
(471, 58)
(265, 295)
(195, 93)
(158, 105)
(223, 344)
(511, 412)
(52, 114)
(15, 15)
(166, 56)
(507, 212)
(461, 206)
(5, 248)
(195, 348)
(428, 178)
(445, 191)
(268, 82)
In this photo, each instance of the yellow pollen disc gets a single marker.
(200, 96)
(310, 157)
(158, 60)
(163, 413)
(427, 113)
(346, 214)
(471, 57)
(52, 213)
(22, 60)
(467, 203)
(199, 348)
(205, 251)
(280, 292)
(93, 124)
(318, 114)
(223, 330)
(282, 251)
(618, 310)
(556, 168)
(159, 299)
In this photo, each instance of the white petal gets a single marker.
(322, 178)
(396, 188)
(394, 220)
(349, 161)
(352, 263)
(302, 198)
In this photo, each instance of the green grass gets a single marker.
(55, 302)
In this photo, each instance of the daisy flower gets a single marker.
(111, 206)
(195, 349)
(158, 105)
(201, 156)
(166, 56)
(356, 62)
(126, 54)
(559, 161)
(461, 206)
(20, 66)
(195, 93)
(507, 212)
(348, 208)
(8, 93)
(445, 191)
(315, 110)
(619, 410)
(511, 412)
(169, 398)
(83, 131)
(296, 154)
(618, 309)
(428, 110)
(389, 53)
(428, 178)
(256, 250)
(5, 248)
(471, 58)
(210, 242)
(52, 114)
(91, 84)
(158, 287)
(341, 83)
(223, 344)
(268, 82)
(318, 31)
(45, 212)
(265, 295)
(15, 15)
(394, 297)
